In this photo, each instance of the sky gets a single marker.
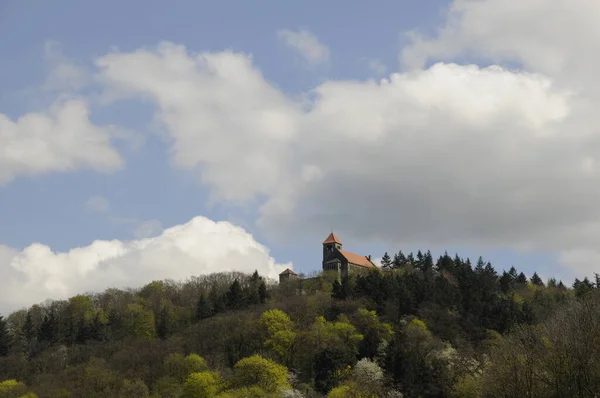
(146, 140)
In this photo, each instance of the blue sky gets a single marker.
(363, 42)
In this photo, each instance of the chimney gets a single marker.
(369, 257)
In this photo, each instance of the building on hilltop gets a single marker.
(287, 275)
(342, 261)
(335, 259)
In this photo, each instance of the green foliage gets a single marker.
(202, 385)
(139, 322)
(136, 388)
(5, 338)
(421, 328)
(265, 373)
(11, 388)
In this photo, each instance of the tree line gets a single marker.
(414, 328)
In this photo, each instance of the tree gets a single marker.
(235, 296)
(136, 388)
(163, 323)
(386, 261)
(28, 328)
(336, 291)
(5, 338)
(48, 328)
(263, 294)
(139, 322)
(262, 372)
(281, 335)
(201, 385)
(203, 308)
(521, 279)
(536, 280)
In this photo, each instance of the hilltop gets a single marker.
(414, 327)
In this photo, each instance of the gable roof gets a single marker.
(332, 239)
(288, 272)
(357, 259)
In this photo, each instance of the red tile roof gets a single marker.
(288, 272)
(332, 239)
(357, 259)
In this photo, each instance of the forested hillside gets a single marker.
(415, 328)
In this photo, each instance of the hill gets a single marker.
(415, 328)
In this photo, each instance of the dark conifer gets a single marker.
(5, 338)
(203, 308)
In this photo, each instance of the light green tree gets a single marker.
(202, 385)
(262, 372)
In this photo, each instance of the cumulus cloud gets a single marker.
(97, 204)
(306, 44)
(147, 229)
(377, 67)
(444, 155)
(550, 37)
(60, 139)
(63, 73)
(200, 246)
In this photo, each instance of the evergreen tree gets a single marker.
(506, 282)
(536, 280)
(337, 292)
(5, 339)
(386, 261)
(263, 293)
(217, 301)
(235, 296)
(48, 328)
(521, 279)
(163, 323)
(399, 260)
(203, 308)
(28, 328)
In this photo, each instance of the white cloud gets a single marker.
(452, 154)
(377, 67)
(551, 37)
(200, 246)
(60, 139)
(97, 204)
(147, 229)
(306, 44)
(63, 73)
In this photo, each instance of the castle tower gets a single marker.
(329, 245)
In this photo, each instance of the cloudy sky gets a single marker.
(141, 140)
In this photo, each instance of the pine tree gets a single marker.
(337, 292)
(506, 282)
(5, 339)
(217, 301)
(521, 279)
(203, 308)
(386, 261)
(235, 296)
(48, 328)
(28, 328)
(263, 294)
(399, 260)
(536, 280)
(163, 323)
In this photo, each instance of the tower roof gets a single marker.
(332, 239)
(288, 272)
